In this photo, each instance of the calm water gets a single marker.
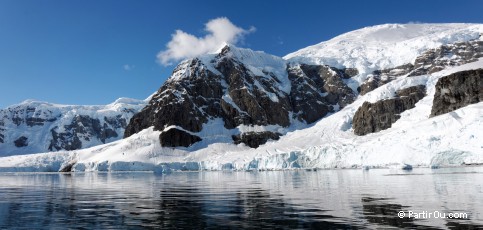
(324, 199)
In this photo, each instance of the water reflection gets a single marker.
(327, 199)
(253, 208)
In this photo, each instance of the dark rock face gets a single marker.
(255, 139)
(31, 116)
(175, 137)
(457, 90)
(418, 91)
(317, 89)
(187, 103)
(21, 142)
(81, 127)
(350, 72)
(117, 121)
(67, 141)
(429, 62)
(374, 117)
(381, 77)
(233, 91)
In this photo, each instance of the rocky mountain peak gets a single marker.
(243, 88)
(226, 50)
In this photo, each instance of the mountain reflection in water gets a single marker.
(324, 199)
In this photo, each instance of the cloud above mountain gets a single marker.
(184, 45)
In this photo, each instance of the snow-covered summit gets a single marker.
(258, 62)
(258, 59)
(384, 46)
(131, 101)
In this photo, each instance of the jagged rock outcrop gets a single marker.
(175, 137)
(416, 92)
(21, 142)
(86, 128)
(455, 54)
(316, 89)
(255, 139)
(243, 87)
(457, 90)
(381, 77)
(374, 117)
(429, 62)
(44, 127)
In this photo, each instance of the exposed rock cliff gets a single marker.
(457, 90)
(255, 139)
(176, 137)
(374, 117)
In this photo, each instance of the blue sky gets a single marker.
(93, 52)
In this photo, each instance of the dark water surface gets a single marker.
(324, 199)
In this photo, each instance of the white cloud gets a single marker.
(128, 67)
(184, 45)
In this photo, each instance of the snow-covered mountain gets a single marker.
(384, 46)
(243, 96)
(378, 96)
(35, 126)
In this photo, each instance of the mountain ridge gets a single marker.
(229, 121)
(37, 126)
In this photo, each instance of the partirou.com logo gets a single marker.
(432, 214)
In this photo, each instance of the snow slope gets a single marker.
(449, 139)
(384, 46)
